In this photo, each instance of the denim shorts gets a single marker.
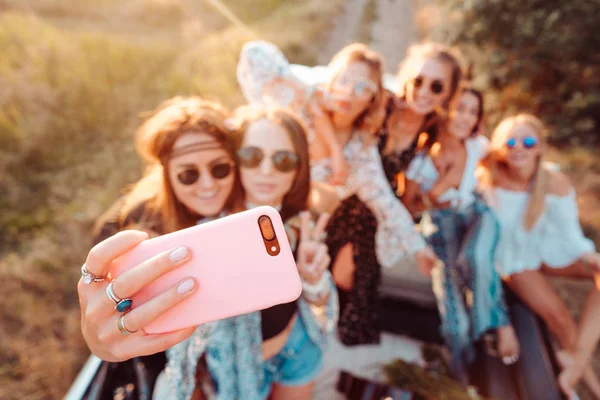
(298, 363)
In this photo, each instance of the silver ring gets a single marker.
(89, 277)
(509, 360)
(121, 305)
(122, 328)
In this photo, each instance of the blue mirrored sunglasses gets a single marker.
(528, 142)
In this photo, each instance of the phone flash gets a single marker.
(266, 228)
(269, 236)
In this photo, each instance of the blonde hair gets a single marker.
(154, 142)
(372, 118)
(491, 164)
(436, 51)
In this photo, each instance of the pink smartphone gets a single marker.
(242, 263)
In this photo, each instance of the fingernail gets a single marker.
(179, 254)
(186, 286)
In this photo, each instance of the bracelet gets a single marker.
(318, 290)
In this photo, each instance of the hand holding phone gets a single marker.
(241, 263)
(99, 317)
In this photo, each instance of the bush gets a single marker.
(536, 56)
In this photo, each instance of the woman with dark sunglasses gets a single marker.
(462, 229)
(277, 352)
(540, 234)
(428, 80)
(191, 177)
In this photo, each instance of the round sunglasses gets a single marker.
(283, 160)
(436, 86)
(528, 142)
(219, 171)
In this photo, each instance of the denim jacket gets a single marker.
(233, 349)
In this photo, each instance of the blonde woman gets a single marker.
(540, 234)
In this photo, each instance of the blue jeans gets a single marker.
(298, 363)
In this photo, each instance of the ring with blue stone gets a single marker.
(121, 305)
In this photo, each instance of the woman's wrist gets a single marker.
(318, 290)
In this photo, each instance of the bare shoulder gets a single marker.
(558, 183)
(442, 158)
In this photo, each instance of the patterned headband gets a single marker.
(191, 148)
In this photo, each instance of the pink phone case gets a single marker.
(230, 263)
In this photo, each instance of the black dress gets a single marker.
(354, 223)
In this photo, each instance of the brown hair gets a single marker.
(436, 51)
(154, 142)
(372, 117)
(296, 200)
(491, 164)
(467, 88)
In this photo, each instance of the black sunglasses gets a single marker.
(283, 160)
(219, 170)
(529, 142)
(436, 86)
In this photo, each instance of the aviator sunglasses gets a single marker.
(528, 142)
(436, 86)
(283, 160)
(359, 87)
(220, 170)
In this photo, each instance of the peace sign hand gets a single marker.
(313, 254)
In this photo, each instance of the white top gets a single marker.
(422, 171)
(556, 239)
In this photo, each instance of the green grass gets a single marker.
(75, 75)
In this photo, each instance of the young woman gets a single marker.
(463, 232)
(355, 85)
(540, 233)
(191, 177)
(277, 351)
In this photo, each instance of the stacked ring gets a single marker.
(89, 277)
(122, 328)
(121, 305)
(509, 360)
